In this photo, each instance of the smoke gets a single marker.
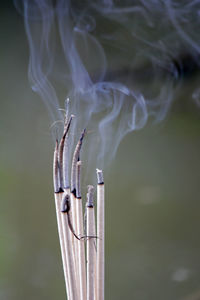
(119, 62)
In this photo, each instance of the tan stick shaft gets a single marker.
(81, 250)
(80, 232)
(67, 192)
(70, 258)
(75, 241)
(74, 221)
(90, 254)
(58, 199)
(75, 159)
(73, 211)
(95, 258)
(100, 237)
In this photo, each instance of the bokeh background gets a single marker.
(152, 194)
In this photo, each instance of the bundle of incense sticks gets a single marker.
(81, 243)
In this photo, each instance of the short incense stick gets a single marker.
(90, 232)
(100, 235)
(58, 198)
(80, 233)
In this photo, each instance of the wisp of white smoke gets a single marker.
(117, 61)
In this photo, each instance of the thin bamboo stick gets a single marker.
(75, 159)
(90, 232)
(71, 267)
(64, 158)
(100, 236)
(74, 245)
(58, 198)
(95, 258)
(67, 225)
(80, 233)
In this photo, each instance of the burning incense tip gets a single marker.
(100, 176)
(90, 196)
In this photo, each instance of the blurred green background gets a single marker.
(152, 195)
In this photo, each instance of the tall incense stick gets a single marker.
(100, 236)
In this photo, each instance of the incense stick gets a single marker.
(71, 271)
(90, 244)
(100, 235)
(75, 159)
(58, 200)
(80, 233)
(58, 196)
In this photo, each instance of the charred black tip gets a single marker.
(67, 127)
(82, 135)
(59, 191)
(101, 183)
(74, 192)
(90, 206)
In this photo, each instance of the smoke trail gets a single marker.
(118, 62)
